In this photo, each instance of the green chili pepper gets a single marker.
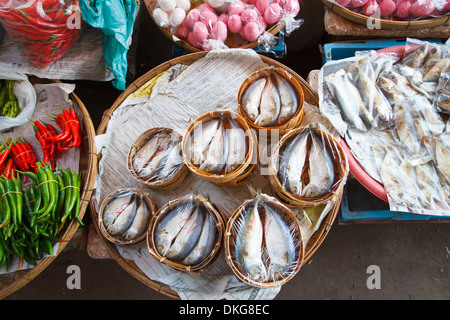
(5, 206)
(17, 183)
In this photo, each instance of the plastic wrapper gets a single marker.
(156, 158)
(264, 245)
(125, 215)
(309, 164)
(187, 233)
(228, 24)
(397, 10)
(44, 29)
(218, 146)
(26, 96)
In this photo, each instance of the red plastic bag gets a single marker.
(44, 29)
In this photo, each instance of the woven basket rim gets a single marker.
(384, 23)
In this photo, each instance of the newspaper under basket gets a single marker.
(234, 228)
(339, 170)
(173, 179)
(179, 205)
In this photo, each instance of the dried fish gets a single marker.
(237, 148)
(404, 126)
(124, 219)
(288, 97)
(252, 98)
(217, 151)
(200, 139)
(293, 163)
(205, 243)
(442, 154)
(270, 105)
(140, 221)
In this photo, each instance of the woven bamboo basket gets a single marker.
(231, 234)
(12, 282)
(232, 178)
(151, 4)
(130, 266)
(217, 250)
(173, 181)
(384, 23)
(293, 122)
(151, 205)
(340, 172)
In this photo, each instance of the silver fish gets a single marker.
(237, 147)
(116, 205)
(217, 152)
(204, 244)
(146, 152)
(288, 99)
(251, 98)
(187, 237)
(150, 169)
(294, 164)
(270, 105)
(200, 139)
(171, 225)
(279, 242)
(139, 224)
(124, 220)
(348, 99)
(321, 170)
(249, 243)
(173, 161)
(404, 126)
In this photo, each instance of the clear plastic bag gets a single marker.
(264, 247)
(44, 29)
(26, 96)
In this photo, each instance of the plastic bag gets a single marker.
(116, 20)
(24, 93)
(265, 247)
(44, 29)
(156, 156)
(408, 10)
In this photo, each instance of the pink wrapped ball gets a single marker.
(191, 39)
(224, 18)
(234, 23)
(236, 7)
(208, 18)
(252, 31)
(220, 31)
(422, 8)
(192, 17)
(249, 15)
(262, 23)
(403, 9)
(200, 31)
(370, 8)
(387, 7)
(261, 5)
(272, 13)
(183, 29)
(291, 7)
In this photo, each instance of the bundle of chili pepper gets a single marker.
(7, 165)
(33, 217)
(70, 136)
(41, 28)
(9, 105)
(23, 155)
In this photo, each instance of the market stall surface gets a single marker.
(404, 261)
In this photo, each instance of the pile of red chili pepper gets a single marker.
(16, 154)
(52, 142)
(41, 27)
(33, 216)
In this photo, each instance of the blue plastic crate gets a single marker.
(341, 50)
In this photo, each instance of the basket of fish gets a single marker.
(263, 242)
(187, 234)
(125, 215)
(155, 159)
(220, 147)
(271, 99)
(308, 167)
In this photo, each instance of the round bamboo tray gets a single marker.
(12, 282)
(151, 4)
(233, 178)
(151, 205)
(340, 171)
(216, 251)
(294, 227)
(130, 266)
(175, 180)
(296, 118)
(384, 23)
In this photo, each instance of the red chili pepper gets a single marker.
(18, 159)
(75, 127)
(4, 154)
(7, 170)
(65, 134)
